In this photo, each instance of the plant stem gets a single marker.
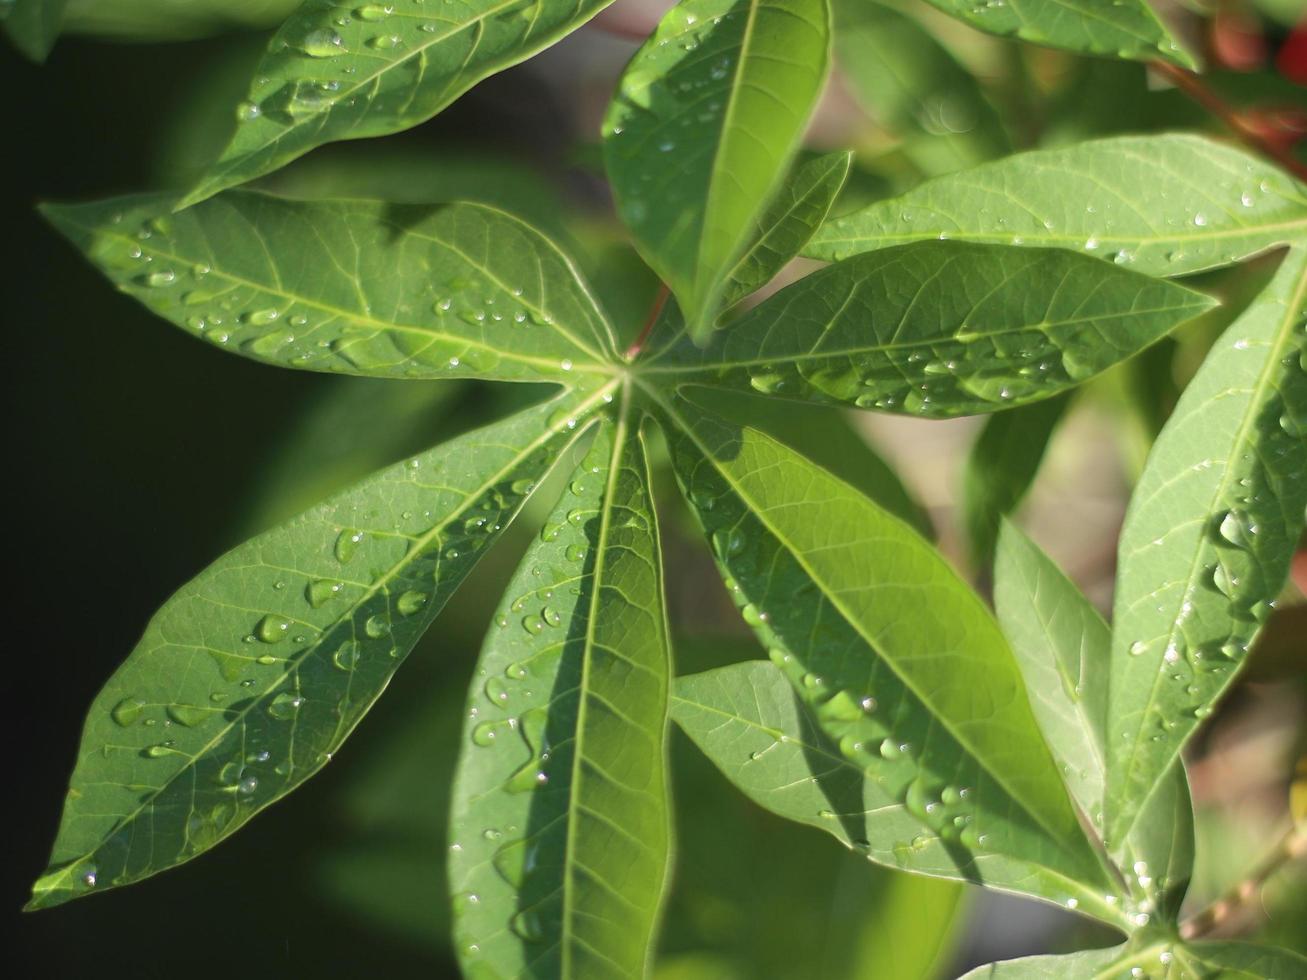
(1194, 87)
(660, 300)
(1291, 847)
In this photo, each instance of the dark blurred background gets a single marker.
(138, 455)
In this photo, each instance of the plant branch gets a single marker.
(660, 300)
(1291, 847)
(1193, 86)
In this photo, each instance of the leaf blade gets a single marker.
(331, 74)
(1214, 519)
(1222, 205)
(211, 673)
(33, 26)
(346, 286)
(584, 675)
(744, 98)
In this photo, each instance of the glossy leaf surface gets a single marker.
(560, 830)
(938, 330)
(337, 71)
(1118, 29)
(400, 291)
(707, 115)
(251, 675)
(1208, 537)
(1162, 205)
(902, 665)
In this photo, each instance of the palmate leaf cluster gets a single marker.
(1032, 749)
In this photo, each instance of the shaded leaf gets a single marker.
(938, 330)
(386, 290)
(940, 766)
(1163, 205)
(1119, 29)
(1208, 538)
(559, 827)
(1063, 647)
(338, 71)
(251, 675)
(915, 88)
(33, 25)
(797, 210)
(1001, 467)
(707, 115)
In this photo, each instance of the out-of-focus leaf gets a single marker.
(940, 767)
(1062, 645)
(171, 20)
(1116, 29)
(559, 825)
(338, 71)
(937, 329)
(915, 88)
(251, 675)
(33, 25)
(784, 228)
(1163, 205)
(1001, 467)
(706, 118)
(357, 287)
(1155, 961)
(1208, 538)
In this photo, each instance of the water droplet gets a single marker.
(323, 43)
(188, 715)
(272, 629)
(347, 544)
(410, 602)
(346, 656)
(285, 705)
(127, 711)
(321, 590)
(374, 11)
(377, 626)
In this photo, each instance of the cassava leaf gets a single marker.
(560, 815)
(938, 329)
(1001, 467)
(914, 88)
(797, 210)
(708, 113)
(939, 765)
(33, 25)
(386, 290)
(337, 71)
(1154, 961)
(1117, 29)
(1162, 205)
(1063, 648)
(1208, 538)
(251, 675)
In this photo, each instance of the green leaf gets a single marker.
(1208, 538)
(33, 25)
(560, 837)
(1001, 467)
(385, 290)
(172, 20)
(1172, 961)
(938, 329)
(940, 766)
(1063, 648)
(1163, 205)
(707, 116)
(338, 71)
(1119, 29)
(915, 88)
(251, 675)
(784, 228)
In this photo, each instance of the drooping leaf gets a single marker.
(560, 816)
(386, 290)
(251, 675)
(1163, 205)
(33, 25)
(1063, 648)
(338, 71)
(940, 766)
(938, 330)
(913, 87)
(797, 210)
(707, 116)
(1208, 538)
(1163, 961)
(1116, 29)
